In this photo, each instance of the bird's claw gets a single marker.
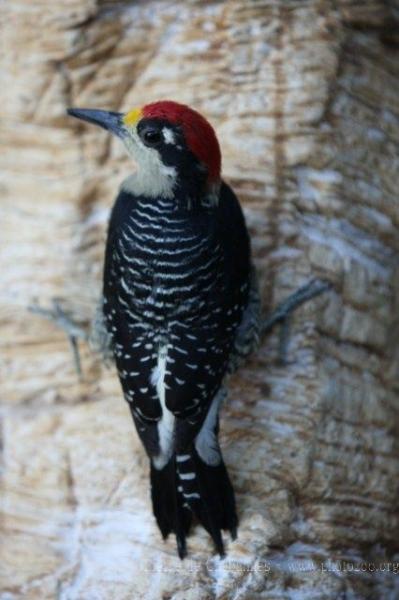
(64, 321)
(282, 314)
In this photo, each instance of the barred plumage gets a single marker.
(178, 298)
(180, 309)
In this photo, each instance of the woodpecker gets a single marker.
(180, 307)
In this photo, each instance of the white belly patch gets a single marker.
(167, 422)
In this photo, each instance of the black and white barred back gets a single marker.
(178, 298)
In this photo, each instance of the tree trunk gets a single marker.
(304, 98)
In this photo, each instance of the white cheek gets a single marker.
(152, 178)
(169, 171)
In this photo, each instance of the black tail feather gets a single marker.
(216, 508)
(167, 507)
(207, 493)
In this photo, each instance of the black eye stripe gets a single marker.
(152, 136)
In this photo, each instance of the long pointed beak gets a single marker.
(111, 121)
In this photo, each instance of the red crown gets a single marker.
(199, 134)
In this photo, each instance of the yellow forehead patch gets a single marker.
(132, 116)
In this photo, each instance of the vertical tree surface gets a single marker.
(304, 98)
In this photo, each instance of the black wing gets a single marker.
(200, 337)
(199, 355)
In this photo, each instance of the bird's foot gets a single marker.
(282, 314)
(62, 319)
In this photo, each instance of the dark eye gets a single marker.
(152, 137)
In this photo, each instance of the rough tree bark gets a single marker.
(304, 97)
